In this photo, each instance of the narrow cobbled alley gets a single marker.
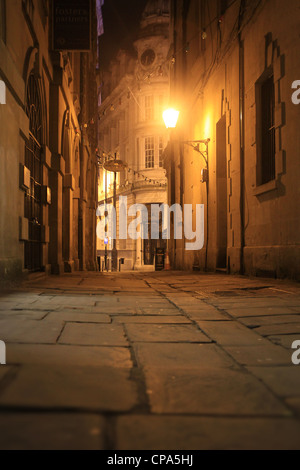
(150, 361)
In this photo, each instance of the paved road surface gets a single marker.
(176, 361)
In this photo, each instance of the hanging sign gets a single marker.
(115, 166)
(72, 25)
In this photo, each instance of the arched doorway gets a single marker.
(33, 161)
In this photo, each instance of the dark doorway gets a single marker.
(221, 173)
(152, 246)
(33, 161)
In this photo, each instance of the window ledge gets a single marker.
(265, 188)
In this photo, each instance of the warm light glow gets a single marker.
(170, 117)
(207, 128)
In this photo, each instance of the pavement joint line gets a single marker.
(281, 399)
(270, 315)
(107, 346)
(112, 416)
(137, 375)
(64, 323)
(194, 323)
(174, 342)
(62, 409)
(110, 433)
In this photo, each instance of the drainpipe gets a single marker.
(242, 134)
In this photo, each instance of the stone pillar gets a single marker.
(55, 214)
(76, 211)
(68, 223)
(81, 232)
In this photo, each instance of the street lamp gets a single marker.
(170, 117)
(115, 166)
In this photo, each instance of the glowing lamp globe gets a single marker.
(170, 117)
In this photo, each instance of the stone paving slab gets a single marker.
(88, 334)
(104, 310)
(261, 311)
(55, 431)
(210, 391)
(189, 356)
(207, 315)
(16, 330)
(69, 388)
(206, 433)
(283, 329)
(284, 381)
(254, 322)
(78, 317)
(151, 319)
(267, 355)
(166, 334)
(231, 334)
(39, 307)
(29, 314)
(160, 311)
(111, 299)
(109, 310)
(10, 302)
(256, 303)
(78, 300)
(68, 355)
(207, 384)
(151, 303)
(198, 307)
(285, 341)
(188, 302)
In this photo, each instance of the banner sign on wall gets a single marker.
(72, 25)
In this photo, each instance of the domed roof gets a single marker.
(156, 8)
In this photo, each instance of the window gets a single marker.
(33, 161)
(267, 138)
(149, 152)
(3, 20)
(149, 108)
(160, 152)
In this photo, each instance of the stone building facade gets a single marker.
(234, 64)
(48, 136)
(134, 94)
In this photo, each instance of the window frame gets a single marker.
(149, 153)
(3, 20)
(263, 140)
(160, 152)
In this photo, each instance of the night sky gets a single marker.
(121, 22)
